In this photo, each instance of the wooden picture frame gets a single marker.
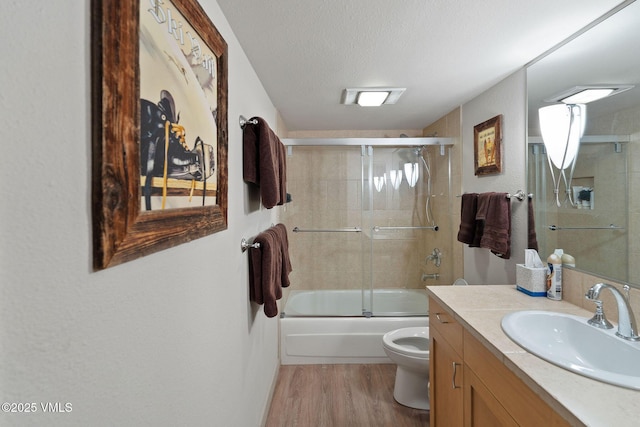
(122, 229)
(487, 146)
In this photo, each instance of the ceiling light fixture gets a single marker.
(373, 96)
(586, 94)
(372, 99)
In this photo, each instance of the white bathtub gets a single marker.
(328, 326)
(386, 302)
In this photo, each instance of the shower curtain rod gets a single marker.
(382, 142)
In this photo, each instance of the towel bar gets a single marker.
(244, 245)
(329, 230)
(609, 227)
(520, 195)
(419, 227)
(243, 121)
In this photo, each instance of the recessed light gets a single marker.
(372, 99)
(585, 94)
(359, 96)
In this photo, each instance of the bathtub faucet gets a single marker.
(435, 257)
(434, 276)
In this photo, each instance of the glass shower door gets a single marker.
(326, 218)
(400, 227)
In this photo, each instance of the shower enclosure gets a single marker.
(592, 223)
(369, 222)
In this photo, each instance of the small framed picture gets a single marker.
(487, 146)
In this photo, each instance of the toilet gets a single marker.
(409, 349)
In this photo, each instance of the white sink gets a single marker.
(569, 342)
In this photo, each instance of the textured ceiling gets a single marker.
(444, 52)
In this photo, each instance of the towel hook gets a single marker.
(243, 121)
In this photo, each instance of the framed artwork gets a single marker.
(159, 127)
(487, 146)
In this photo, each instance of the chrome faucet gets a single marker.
(626, 321)
(435, 257)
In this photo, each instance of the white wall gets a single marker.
(169, 339)
(507, 98)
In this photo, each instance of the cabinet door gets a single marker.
(491, 379)
(481, 408)
(446, 379)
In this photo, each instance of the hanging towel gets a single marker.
(283, 241)
(495, 210)
(265, 275)
(532, 239)
(264, 162)
(468, 210)
(481, 215)
(269, 268)
(283, 174)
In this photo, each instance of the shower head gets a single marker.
(418, 150)
(408, 154)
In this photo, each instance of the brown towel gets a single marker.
(468, 210)
(532, 239)
(483, 205)
(481, 215)
(264, 162)
(496, 234)
(264, 274)
(269, 268)
(283, 242)
(282, 158)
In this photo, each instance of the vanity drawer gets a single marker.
(444, 322)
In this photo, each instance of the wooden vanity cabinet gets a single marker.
(446, 373)
(493, 392)
(471, 387)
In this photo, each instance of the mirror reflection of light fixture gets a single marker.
(586, 94)
(395, 176)
(378, 182)
(562, 126)
(411, 172)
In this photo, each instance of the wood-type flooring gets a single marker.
(340, 396)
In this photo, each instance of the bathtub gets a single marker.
(327, 326)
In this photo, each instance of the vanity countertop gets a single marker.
(580, 400)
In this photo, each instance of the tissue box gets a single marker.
(531, 281)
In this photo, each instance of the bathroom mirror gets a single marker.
(601, 228)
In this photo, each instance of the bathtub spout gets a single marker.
(434, 276)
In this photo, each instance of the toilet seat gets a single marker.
(411, 342)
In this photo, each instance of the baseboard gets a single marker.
(274, 381)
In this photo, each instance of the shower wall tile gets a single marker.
(448, 126)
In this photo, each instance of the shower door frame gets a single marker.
(376, 231)
(367, 145)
